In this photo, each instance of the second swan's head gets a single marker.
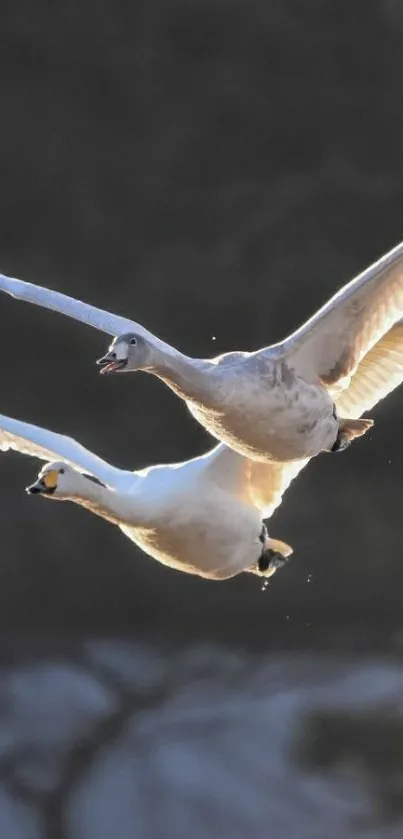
(59, 480)
(127, 353)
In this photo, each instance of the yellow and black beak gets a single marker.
(46, 484)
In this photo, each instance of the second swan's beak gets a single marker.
(36, 488)
(44, 485)
(110, 364)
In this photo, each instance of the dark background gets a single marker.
(209, 169)
(214, 170)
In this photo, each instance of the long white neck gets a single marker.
(187, 377)
(117, 507)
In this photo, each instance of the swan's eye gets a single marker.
(61, 471)
(133, 341)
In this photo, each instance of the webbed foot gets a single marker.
(273, 556)
(341, 443)
(349, 429)
(270, 560)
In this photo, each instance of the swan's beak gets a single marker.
(110, 364)
(36, 488)
(45, 485)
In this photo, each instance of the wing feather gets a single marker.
(72, 308)
(260, 484)
(269, 481)
(333, 342)
(47, 445)
(377, 374)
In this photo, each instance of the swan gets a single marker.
(285, 402)
(203, 516)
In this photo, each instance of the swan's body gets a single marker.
(203, 516)
(292, 418)
(277, 403)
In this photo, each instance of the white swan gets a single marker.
(203, 516)
(277, 403)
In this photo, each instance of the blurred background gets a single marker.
(216, 171)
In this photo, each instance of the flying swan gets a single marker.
(203, 516)
(285, 402)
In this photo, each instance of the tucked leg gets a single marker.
(349, 429)
(270, 560)
(273, 556)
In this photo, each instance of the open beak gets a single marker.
(110, 364)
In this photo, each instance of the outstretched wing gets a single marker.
(378, 373)
(333, 342)
(47, 445)
(260, 484)
(48, 299)
(269, 481)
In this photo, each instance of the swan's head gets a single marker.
(55, 480)
(59, 480)
(127, 353)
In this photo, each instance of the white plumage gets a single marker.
(203, 516)
(276, 403)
